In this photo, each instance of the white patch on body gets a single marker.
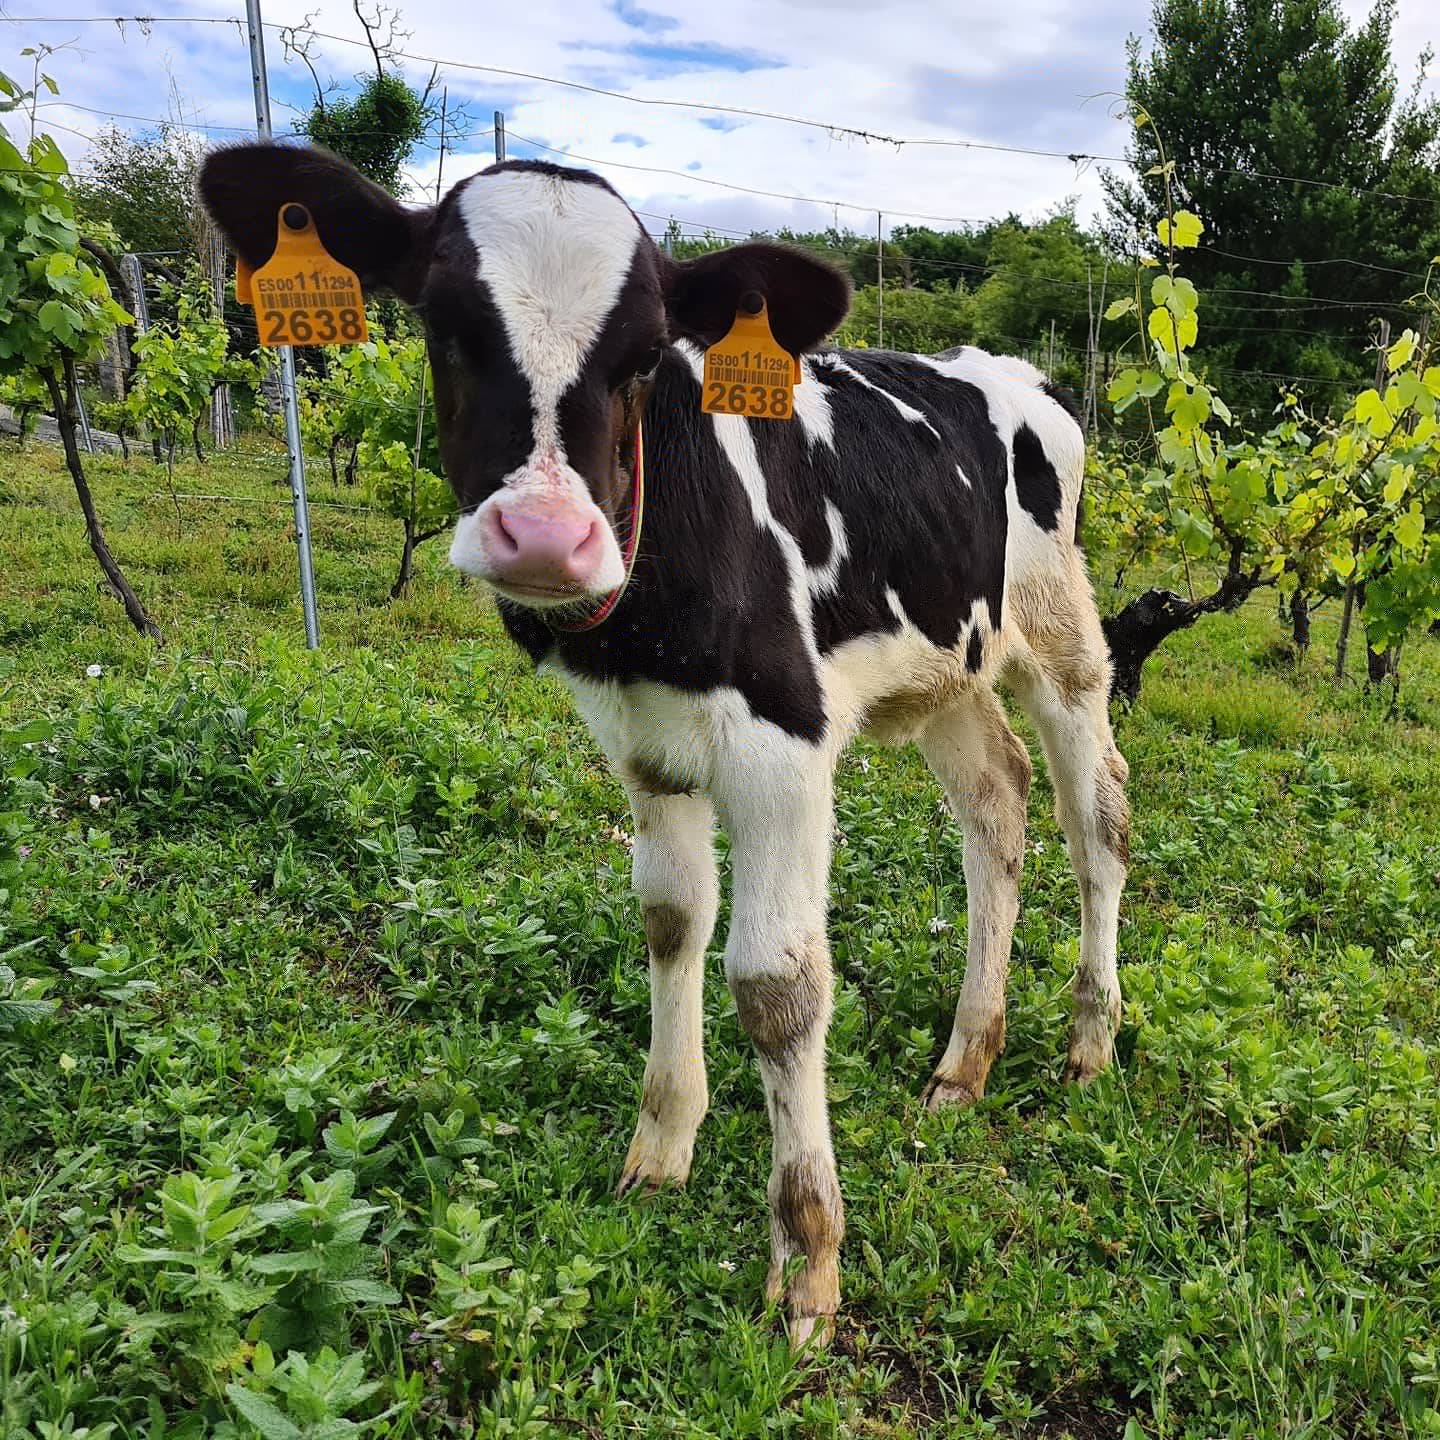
(1014, 395)
(869, 669)
(812, 407)
(825, 579)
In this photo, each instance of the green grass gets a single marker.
(329, 1013)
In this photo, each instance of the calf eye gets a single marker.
(638, 370)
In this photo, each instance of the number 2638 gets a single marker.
(758, 400)
(327, 327)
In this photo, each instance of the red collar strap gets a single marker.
(632, 543)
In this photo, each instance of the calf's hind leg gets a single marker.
(985, 770)
(675, 880)
(1064, 686)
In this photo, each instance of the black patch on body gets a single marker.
(1069, 402)
(1036, 484)
(1066, 399)
(482, 398)
(709, 603)
(912, 523)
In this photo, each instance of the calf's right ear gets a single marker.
(806, 297)
(363, 227)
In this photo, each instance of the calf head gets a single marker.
(547, 313)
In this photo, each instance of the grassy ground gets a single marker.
(350, 1009)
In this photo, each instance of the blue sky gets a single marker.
(1037, 73)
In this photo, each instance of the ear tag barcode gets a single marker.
(749, 372)
(302, 295)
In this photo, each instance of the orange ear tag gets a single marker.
(302, 294)
(749, 372)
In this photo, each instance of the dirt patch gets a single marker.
(917, 1394)
(912, 1389)
(1072, 1417)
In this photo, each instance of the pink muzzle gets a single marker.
(554, 545)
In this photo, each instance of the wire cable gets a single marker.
(832, 128)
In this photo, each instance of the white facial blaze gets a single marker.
(554, 254)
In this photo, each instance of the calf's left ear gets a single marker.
(361, 225)
(806, 298)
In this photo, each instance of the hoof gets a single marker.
(1081, 1070)
(811, 1300)
(637, 1182)
(644, 1181)
(941, 1092)
(660, 1154)
(810, 1332)
(1092, 1044)
(647, 1170)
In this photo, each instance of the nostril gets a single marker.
(588, 544)
(500, 533)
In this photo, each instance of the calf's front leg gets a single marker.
(777, 963)
(675, 881)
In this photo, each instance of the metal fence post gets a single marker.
(287, 358)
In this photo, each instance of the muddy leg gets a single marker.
(675, 880)
(985, 770)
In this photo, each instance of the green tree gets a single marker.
(933, 259)
(1311, 503)
(1247, 92)
(378, 126)
(370, 399)
(1039, 275)
(375, 130)
(919, 321)
(143, 186)
(55, 307)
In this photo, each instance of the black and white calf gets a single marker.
(876, 564)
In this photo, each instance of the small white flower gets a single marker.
(938, 924)
(864, 764)
(94, 671)
(619, 837)
(1038, 847)
(919, 1144)
(96, 801)
(728, 1266)
(67, 1062)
